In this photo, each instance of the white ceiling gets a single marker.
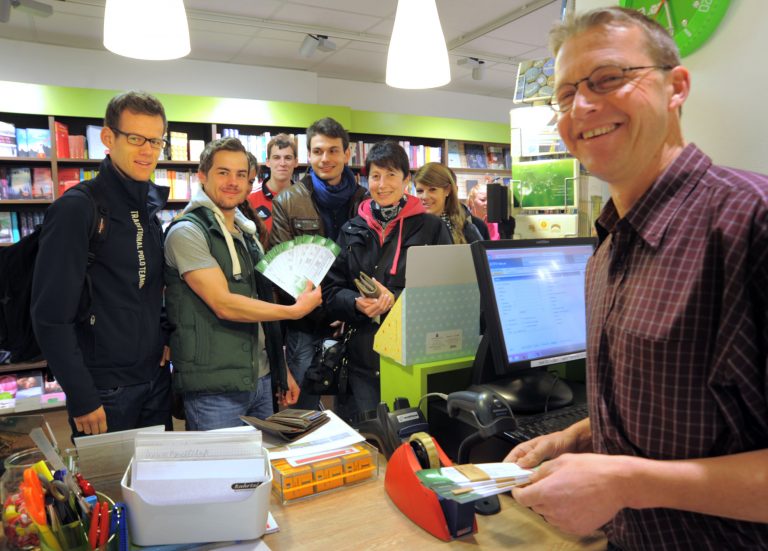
(268, 33)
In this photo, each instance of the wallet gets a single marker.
(367, 286)
(289, 425)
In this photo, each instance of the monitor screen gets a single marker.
(546, 184)
(532, 299)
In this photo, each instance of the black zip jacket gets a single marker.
(119, 340)
(364, 248)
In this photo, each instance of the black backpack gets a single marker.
(17, 265)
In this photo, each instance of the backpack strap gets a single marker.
(100, 225)
(96, 237)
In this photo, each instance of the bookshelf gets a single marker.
(477, 163)
(202, 118)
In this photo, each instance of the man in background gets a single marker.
(108, 354)
(319, 204)
(216, 296)
(282, 159)
(674, 454)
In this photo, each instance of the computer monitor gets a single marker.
(532, 302)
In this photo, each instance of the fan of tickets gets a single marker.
(290, 264)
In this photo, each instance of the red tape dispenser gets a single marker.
(443, 518)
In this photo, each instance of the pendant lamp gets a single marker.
(417, 57)
(146, 29)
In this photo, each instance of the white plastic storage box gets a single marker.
(244, 519)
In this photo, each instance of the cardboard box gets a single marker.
(437, 316)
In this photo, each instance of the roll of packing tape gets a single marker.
(425, 450)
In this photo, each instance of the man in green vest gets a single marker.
(225, 338)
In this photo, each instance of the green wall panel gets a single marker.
(16, 97)
(369, 122)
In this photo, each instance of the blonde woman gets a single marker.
(436, 187)
(477, 201)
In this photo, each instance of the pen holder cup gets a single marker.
(20, 533)
(112, 542)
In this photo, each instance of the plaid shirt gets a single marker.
(677, 302)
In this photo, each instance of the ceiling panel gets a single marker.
(506, 48)
(251, 8)
(531, 29)
(269, 32)
(274, 53)
(217, 50)
(376, 8)
(326, 17)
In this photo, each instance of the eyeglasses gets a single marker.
(601, 81)
(138, 140)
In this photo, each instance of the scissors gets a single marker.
(62, 499)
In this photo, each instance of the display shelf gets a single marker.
(499, 171)
(23, 366)
(25, 160)
(25, 202)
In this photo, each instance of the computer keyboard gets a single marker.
(531, 426)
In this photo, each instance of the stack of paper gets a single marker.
(465, 483)
(197, 467)
(333, 435)
(292, 263)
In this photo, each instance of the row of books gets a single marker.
(26, 183)
(24, 142)
(29, 391)
(71, 176)
(183, 183)
(184, 149)
(418, 155)
(257, 144)
(18, 224)
(73, 146)
(476, 155)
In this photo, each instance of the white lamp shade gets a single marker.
(418, 57)
(146, 29)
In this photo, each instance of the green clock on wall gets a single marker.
(690, 22)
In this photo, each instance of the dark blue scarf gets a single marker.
(333, 201)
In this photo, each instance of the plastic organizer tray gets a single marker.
(291, 483)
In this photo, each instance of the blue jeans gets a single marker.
(365, 396)
(136, 406)
(299, 352)
(219, 410)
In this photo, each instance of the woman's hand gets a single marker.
(373, 307)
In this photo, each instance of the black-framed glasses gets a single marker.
(139, 140)
(602, 80)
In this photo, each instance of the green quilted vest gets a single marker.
(210, 354)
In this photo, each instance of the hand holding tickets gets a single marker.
(292, 263)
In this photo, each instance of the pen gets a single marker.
(104, 525)
(98, 531)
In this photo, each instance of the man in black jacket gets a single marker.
(108, 353)
(319, 204)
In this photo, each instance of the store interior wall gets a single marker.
(726, 113)
(55, 65)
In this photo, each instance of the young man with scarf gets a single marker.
(376, 242)
(319, 204)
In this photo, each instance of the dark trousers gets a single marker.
(136, 406)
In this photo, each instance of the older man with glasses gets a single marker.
(674, 454)
(98, 322)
